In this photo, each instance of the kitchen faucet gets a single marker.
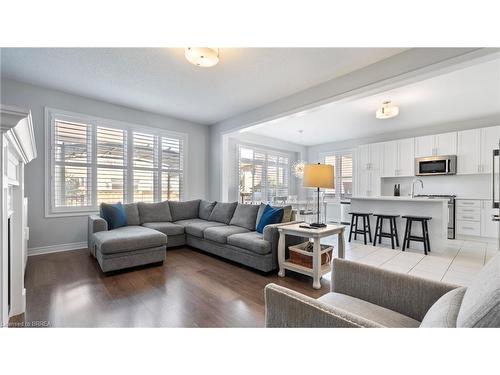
(413, 186)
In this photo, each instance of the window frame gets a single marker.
(265, 165)
(338, 177)
(49, 197)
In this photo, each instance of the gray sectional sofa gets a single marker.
(223, 229)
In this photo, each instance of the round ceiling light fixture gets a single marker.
(202, 56)
(387, 111)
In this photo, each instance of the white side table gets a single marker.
(316, 234)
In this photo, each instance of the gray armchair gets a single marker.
(366, 296)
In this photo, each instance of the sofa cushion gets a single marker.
(367, 310)
(184, 210)
(444, 312)
(128, 239)
(170, 229)
(223, 212)
(221, 233)
(154, 212)
(132, 213)
(269, 216)
(481, 303)
(251, 241)
(195, 227)
(245, 216)
(205, 209)
(114, 214)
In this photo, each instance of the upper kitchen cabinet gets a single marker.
(398, 158)
(475, 149)
(369, 157)
(438, 144)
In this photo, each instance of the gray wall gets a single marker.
(66, 230)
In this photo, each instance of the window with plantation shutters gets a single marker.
(94, 161)
(342, 162)
(263, 175)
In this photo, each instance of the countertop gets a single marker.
(402, 199)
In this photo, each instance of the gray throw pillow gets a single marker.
(132, 213)
(259, 213)
(154, 212)
(444, 312)
(206, 208)
(184, 210)
(223, 212)
(245, 216)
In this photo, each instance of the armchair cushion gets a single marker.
(481, 303)
(370, 311)
(443, 314)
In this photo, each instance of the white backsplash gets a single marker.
(463, 186)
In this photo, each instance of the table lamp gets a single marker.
(319, 176)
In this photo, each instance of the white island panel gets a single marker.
(389, 205)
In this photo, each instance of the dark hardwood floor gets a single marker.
(191, 289)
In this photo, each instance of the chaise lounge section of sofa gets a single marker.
(224, 229)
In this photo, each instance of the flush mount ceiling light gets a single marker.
(202, 56)
(387, 111)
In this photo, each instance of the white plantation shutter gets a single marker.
(71, 173)
(342, 162)
(92, 162)
(144, 166)
(111, 163)
(171, 168)
(263, 175)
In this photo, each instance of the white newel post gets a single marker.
(17, 146)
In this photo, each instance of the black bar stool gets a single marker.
(425, 232)
(393, 234)
(366, 225)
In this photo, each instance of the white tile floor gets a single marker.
(457, 263)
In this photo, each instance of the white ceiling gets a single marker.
(471, 92)
(160, 80)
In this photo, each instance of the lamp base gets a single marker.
(317, 225)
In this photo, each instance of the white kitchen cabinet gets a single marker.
(369, 161)
(398, 158)
(424, 146)
(475, 147)
(437, 144)
(489, 228)
(468, 157)
(473, 218)
(489, 141)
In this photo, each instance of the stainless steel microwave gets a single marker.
(436, 165)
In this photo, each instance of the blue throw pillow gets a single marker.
(114, 214)
(269, 216)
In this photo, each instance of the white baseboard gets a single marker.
(56, 248)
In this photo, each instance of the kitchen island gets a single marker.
(437, 208)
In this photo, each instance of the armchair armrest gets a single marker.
(286, 308)
(409, 295)
(95, 224)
